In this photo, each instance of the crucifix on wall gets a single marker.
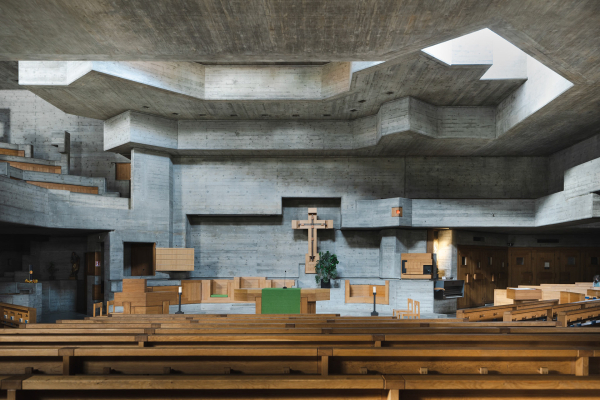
(312, 225)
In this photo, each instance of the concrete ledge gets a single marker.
(582, 179)
(27, 148)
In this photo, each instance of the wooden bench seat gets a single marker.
(565, 318)
(497, 312)
(547, 311)
(397, 382)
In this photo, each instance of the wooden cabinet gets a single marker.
(174, 259)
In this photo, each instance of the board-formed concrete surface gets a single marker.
(236, 126)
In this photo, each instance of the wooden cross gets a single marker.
(312, 224)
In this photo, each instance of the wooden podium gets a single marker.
(308, 298)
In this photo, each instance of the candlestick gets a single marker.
(374, 313)
(179, 312)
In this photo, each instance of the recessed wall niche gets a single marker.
(267, 245)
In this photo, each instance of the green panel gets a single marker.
(218, 295)
(280, 301)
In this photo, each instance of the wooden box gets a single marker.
(523, 294)
(174, 259)
(414, 265)
(364, 293)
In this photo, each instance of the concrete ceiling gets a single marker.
(562, 35)
(415, 75)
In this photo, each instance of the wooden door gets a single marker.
(501, 269)
(545, 268)
(570, 268)
(520, 269)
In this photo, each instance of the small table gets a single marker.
(308, 298)
(520, 295)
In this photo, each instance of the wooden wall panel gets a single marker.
(142, 259)
(53, 169)
(590, 264)
(123, 171)
(70, 188)
(544, 266)
(191, 291)
(174, 259)
(570, 267)
(520, 268)
(566, 265)
(11, 152)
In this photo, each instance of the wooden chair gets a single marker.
(413, 310)
(97, 306)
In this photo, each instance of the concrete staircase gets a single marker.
(16, 162)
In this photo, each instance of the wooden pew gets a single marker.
(296, 387)
(546, 311)
(565, 318)
(497, 312)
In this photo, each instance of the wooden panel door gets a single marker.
(488, 261)
(520, 269)
(545, 268)
(463, 272)
(569, 265)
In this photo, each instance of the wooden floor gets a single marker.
(297, 357)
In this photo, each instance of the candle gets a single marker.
(179, 289)
(374, 290)
(30, 275)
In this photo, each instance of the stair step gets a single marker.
(70, 188)
(52, 169)
(31, 164)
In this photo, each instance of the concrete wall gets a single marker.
(570, 157)
(33, 121)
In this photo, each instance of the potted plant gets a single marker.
(326, 269)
